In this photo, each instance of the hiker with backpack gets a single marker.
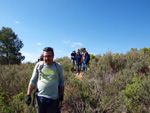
(49, 80)
(78, 61)
(40, 58)
(85, 60)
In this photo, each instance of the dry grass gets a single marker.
(99, 91)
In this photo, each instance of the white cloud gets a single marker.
(39, 44)
(59, 51)
(17, 22)
(66, 42)
(76, 44)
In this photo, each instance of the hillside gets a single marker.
(114, 83)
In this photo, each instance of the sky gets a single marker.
(100, 26)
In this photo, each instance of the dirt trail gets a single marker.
(79, 76)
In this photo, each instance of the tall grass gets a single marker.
(114, 83)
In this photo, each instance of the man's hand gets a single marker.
(61, 97)
(28, 100)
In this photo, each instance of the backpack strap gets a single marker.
(58, 70)
(41, 64)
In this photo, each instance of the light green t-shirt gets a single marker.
(49, 80)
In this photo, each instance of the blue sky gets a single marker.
(66, 25)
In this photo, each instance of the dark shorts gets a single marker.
(45, 105)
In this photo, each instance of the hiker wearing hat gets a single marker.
(84, 60)
(73, 58)
(49, 80)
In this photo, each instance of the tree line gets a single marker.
(10, 46)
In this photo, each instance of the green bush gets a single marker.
(132, 96)
(110, 85)
(137, 95)
(4, 100)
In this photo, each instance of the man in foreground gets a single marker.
(49, 80)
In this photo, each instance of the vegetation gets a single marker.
(115, 83)
(10, 46)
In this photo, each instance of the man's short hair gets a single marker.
(46, 49)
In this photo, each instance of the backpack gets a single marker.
(88, 59)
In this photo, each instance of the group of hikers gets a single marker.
(47, 80)
(80, 59)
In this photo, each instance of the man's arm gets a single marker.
(86, 58)
(33, 80)
(61, 93)
(30, 89)
(61, 83)
(32, 85)
(61, 88)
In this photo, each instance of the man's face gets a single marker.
(48, 57)
(84, 50)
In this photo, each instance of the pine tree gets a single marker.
(10, 46)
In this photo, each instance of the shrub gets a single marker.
(137, 95)
(110, 85)
(4, 100)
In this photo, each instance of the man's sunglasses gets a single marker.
(48, 56)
